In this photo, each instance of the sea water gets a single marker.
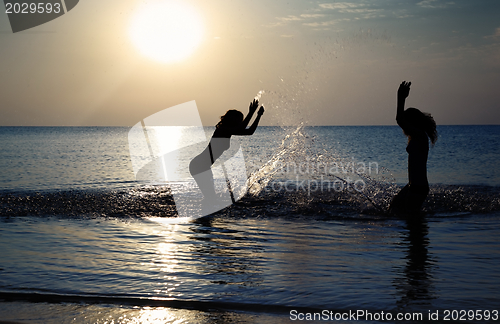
(76, 227)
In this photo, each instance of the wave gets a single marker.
(299, 180)
(145, 201)
(133, 300)
(276, 199)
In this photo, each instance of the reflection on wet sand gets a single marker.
(21, 312)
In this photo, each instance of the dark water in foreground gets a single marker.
(75, 227)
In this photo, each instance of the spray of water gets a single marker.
(259, 95)
(259, 179)
(298, 161)
(288, 104)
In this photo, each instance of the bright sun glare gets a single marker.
(166, 31)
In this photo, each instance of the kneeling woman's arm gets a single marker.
(249, 131)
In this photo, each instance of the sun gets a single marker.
(166, 31)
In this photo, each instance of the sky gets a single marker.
(313, 62)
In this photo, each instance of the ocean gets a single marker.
(83, 241)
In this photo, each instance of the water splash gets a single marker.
(156, 201)
(259, 95)
(259, 179)
(298, 165)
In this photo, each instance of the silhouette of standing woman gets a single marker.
(419, 127)
(232, 123)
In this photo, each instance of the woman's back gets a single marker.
(418, 150)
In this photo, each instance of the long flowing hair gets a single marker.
(423, 121)
(231, 118)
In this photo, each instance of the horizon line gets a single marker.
(378, 125)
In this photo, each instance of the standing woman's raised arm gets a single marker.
(403, 93)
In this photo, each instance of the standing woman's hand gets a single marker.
(404, 90)
(261, 110)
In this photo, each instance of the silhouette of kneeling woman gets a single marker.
(232, 123)
(419, 127)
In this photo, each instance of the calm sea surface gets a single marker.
(41, 158)
(76, 227)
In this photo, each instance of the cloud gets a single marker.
(434, 4)
(329, 14)
(312, 15)
(403, 15)
(353, 8)
(282, 21)
(299, 18)
(496, 34)
(290, 18)
(340, 5)
(321, 23)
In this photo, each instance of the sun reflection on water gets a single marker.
(167, 256)
(146, 315)
(158, 316)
